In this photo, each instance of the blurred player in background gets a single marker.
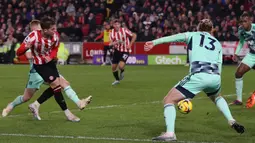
(205, 75)
(119, 39)
(35, 81)
(246, 33)
(106, 37)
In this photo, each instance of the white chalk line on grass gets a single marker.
(91, 138)
(105, 107)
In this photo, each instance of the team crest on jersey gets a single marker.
(26, 39)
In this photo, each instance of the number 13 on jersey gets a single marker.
(210, 45)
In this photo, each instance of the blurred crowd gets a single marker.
(82, 20)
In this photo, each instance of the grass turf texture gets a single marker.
(130, 110)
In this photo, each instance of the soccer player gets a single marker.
(35, 81)
(246, 33)
(119, 39)
(106, 36)
(205, 75)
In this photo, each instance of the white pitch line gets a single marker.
(91, 138)
(107, 106)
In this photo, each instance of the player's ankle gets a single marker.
(37, 103)
(67, 112)
(231, 122)
(170, 134)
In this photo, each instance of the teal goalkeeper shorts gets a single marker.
(34, 81)
(249, 60)
(193, 84)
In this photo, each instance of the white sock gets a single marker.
(67, 112)
(37, 103)
(239, 88)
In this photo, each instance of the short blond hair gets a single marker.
(34, 23)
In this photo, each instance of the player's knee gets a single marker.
(238, 74)
(26, 98)
(55, 83)
(64, 83)
(56, 89)
(169, 100)
(114, 67)
(121, 68)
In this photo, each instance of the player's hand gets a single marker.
(48, 59)
(235, 58)
(148, 46)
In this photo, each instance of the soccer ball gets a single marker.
(184, 106)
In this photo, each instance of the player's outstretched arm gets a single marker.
(182, 37)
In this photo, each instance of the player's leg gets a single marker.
(50, 75)
(122, 69)
(244, 67)
(34, 107)
(71, 94)
(223, 107)
(213, 92)
(115, 62)
(187, 88)
(111, 53)
(105, 54)
(28, 93)
(122, 64)
(32, 86)
(241, 70)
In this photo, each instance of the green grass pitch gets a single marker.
(129, 112)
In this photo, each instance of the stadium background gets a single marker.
(80, 21)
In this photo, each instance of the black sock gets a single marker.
(59, 98)
(105, 54)
(116, 75)
(122, 70)
(48, 93)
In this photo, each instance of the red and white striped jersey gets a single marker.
(122, 36)
(42, 47)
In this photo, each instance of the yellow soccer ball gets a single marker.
(184, 106)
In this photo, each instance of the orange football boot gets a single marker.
(251, 101)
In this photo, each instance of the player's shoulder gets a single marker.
(193, 34)
(188, 34)
(32, 33)
(31, 36)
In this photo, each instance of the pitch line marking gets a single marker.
(90, 138)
